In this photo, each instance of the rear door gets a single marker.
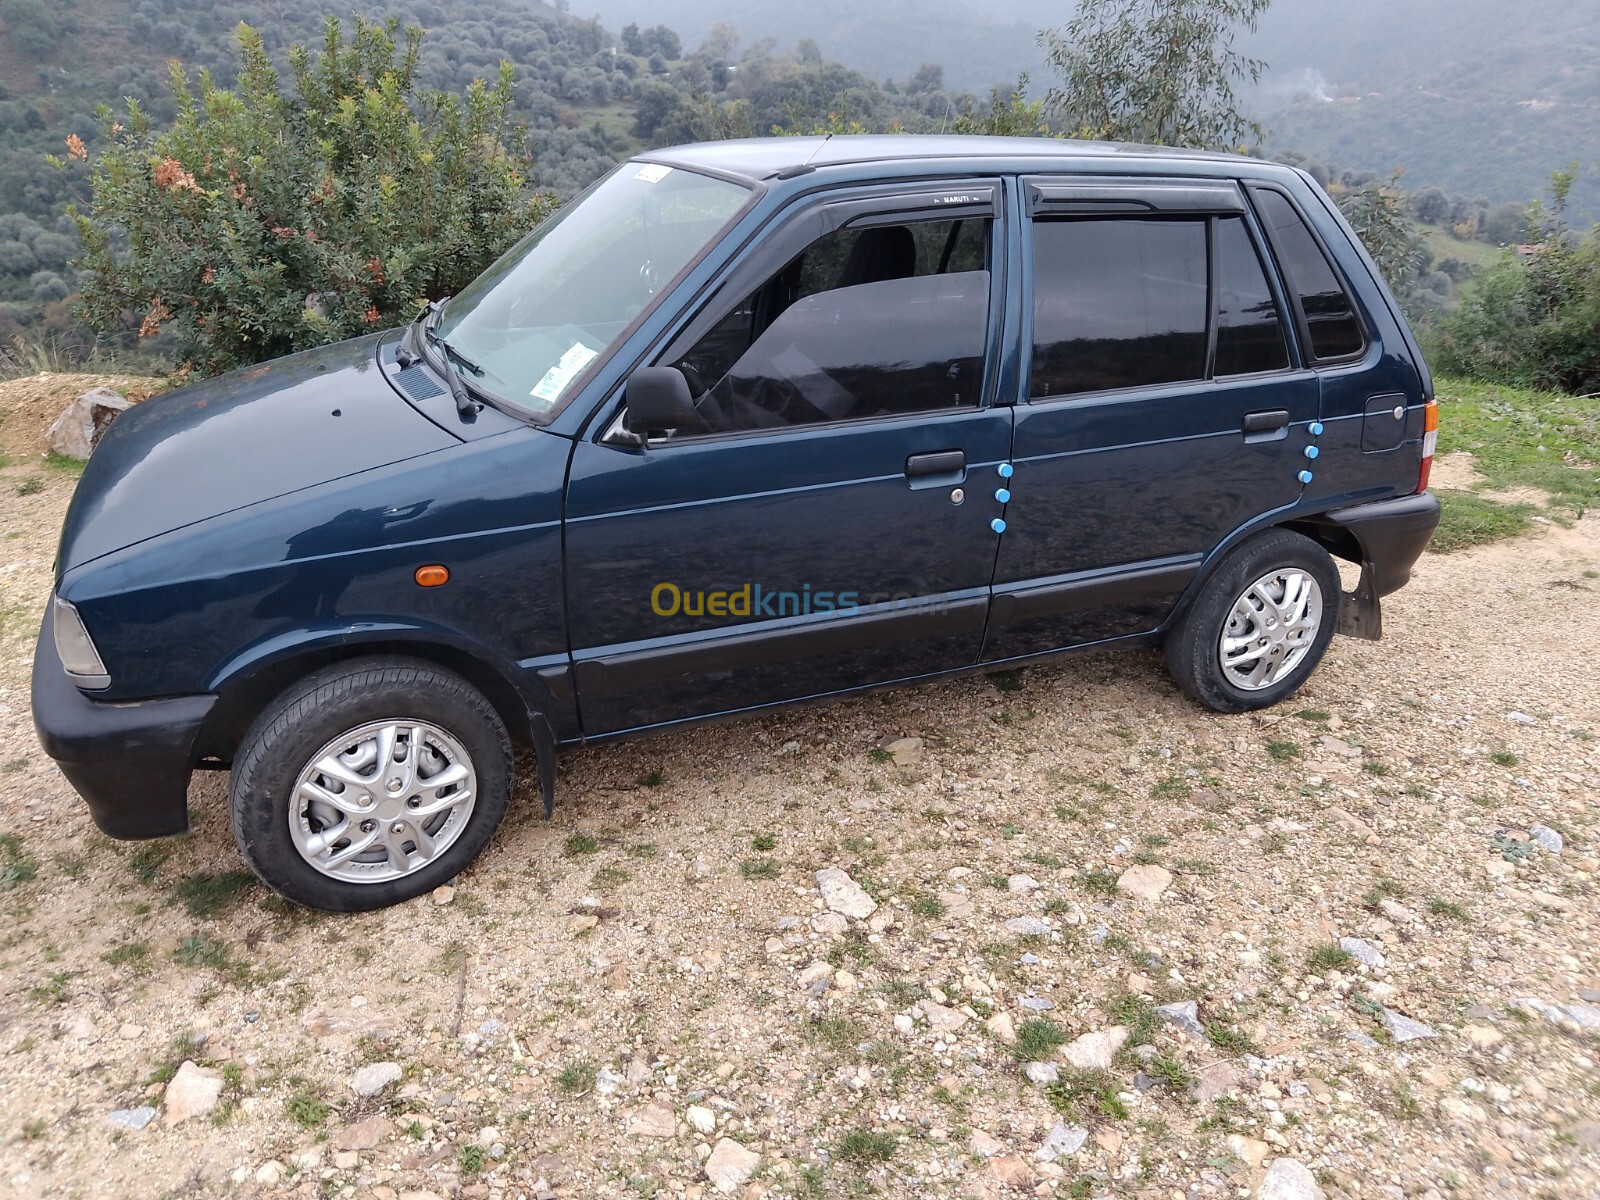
(823, 528)
(1163, 408)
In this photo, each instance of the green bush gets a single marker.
(264, 222)
(1532, 321)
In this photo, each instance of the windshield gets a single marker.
(558, 298)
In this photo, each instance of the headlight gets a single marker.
(77, 653)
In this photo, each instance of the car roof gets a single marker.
(763, 158)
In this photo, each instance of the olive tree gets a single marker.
(1157, 71)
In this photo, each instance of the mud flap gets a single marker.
(544, 749)
(1360, 613)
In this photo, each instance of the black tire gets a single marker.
(309, 717)
(1193, 646)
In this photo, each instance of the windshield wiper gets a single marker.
(449, 356)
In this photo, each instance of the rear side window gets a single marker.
(1330, 316)
(1118, 304)
(1249, 333)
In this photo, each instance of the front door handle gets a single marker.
(944, 462)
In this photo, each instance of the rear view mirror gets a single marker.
(657, 398)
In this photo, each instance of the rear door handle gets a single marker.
(1266, 420)
(946, 463)
(1268, 425)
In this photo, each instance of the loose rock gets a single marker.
(844, 895)
(1095, 1051)
(193, 1092)
(1062, 1141)
(1287, 1179)
(1363, 952)
(1548, 839)
(730, 1164)
(1404, 1029)
(1145, 882)
(81, 425)
(654, 1120)
(1185, 1014)
(131, 1118)
(374, 1077)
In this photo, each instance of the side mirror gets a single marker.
(657, 398)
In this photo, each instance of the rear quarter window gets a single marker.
(1331, 321)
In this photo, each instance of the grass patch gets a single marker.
(926, 904)
(1138, 1014)
(575, 1078)
(1504, 758)
(199, 952)
(147, 859)
(1315, 715)
(1038, 1039)
(1230, 1038)
(609, 879)
(1170, 789)
(865, 1147)
(1283, 751)
(17, 866)
(471, 1158)
(1331, 957)
(839, 1034)
(1101, 883)
(1447, 908)
(1085, 1095)
(1523, 438)
(759, 868)
(305, 1108)
(30, 486)
(206, 895)
(1467, 520)
(578, 844)
(133, 955)
(764, 842)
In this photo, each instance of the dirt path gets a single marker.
(654, 978)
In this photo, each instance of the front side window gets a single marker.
(1330, 315)
(865, 322)
(1118, 304)
(559, 298)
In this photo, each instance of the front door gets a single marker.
(1163, 409)
(826, 522)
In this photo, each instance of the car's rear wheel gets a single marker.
(1259, 626)
(369, 783)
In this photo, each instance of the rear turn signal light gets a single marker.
(1430, 439)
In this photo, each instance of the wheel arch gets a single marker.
(245, 686)
(1335, 539)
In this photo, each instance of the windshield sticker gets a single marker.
(577, 357)
(652, 173)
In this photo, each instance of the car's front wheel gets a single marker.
(369, 783)
(1259, 625)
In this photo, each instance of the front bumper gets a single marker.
(130, 761)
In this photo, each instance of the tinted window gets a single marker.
(1249, 331)
(1118, 303)
(866, 322)
(1335, 331)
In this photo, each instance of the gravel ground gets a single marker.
(1089, 940)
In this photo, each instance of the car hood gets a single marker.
(240, 439)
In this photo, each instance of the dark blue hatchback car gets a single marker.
(748, 423)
